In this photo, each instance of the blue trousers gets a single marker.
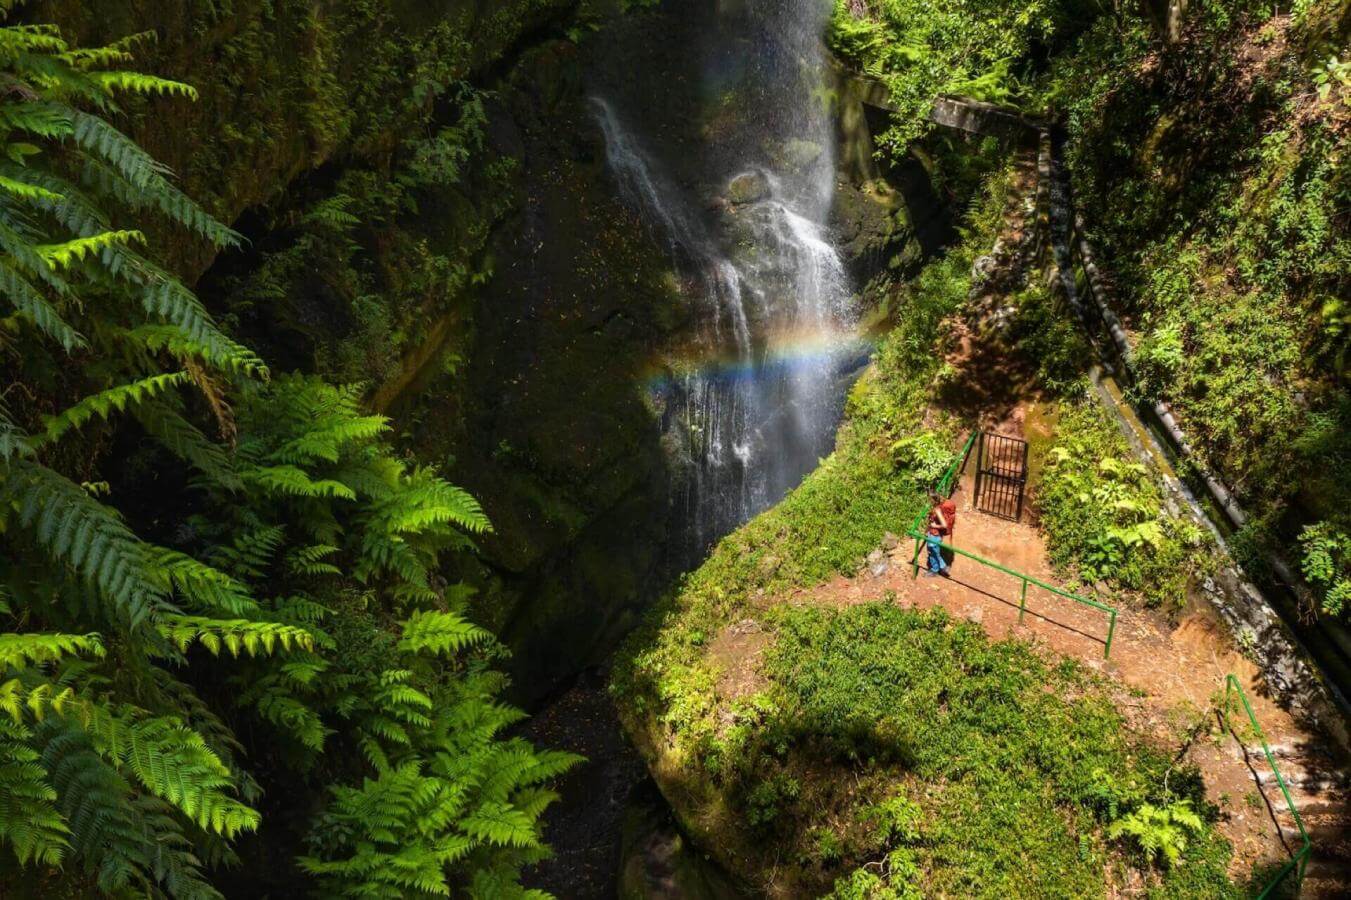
(936, 561)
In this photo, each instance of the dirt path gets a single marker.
(1170, 681)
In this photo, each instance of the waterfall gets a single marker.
(746, 229)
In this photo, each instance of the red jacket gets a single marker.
(949, 510)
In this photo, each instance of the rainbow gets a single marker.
(783, 353)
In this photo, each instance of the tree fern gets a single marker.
(109, 765)
(306, 540)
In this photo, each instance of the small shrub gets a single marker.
(1159, 832)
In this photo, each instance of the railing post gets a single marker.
(1022, 602)
(915, 561)
(980, 464)
(1111, 629)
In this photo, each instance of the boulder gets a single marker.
(748, 187)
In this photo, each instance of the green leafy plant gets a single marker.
(1161, 832)
(926, 456)
(1105, 516)
(1327, 564)
(1331, 75)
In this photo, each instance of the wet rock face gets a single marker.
(556, 437)
(799, 154)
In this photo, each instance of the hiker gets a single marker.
(942, 518)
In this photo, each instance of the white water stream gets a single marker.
(758, 404)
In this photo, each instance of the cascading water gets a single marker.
(757, 403)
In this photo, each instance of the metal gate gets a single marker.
(1001, 475)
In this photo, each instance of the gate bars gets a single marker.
(1001, 475)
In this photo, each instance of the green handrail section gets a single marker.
(944, 487)
(1300, 860)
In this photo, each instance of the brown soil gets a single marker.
(736, 657)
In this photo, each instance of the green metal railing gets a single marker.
(1300, 860)
(944, 488)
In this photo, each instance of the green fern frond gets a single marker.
(96, 136)
(203, 586)
(238, 636)
(290, 481)
(501, 824)
(292, 716)
(113, 400)
(309, 560)
(431, 501)
(251, 551)
(327, 440)
(29, 820)
(163, 295)
(116, 53)
(23, 701)
(18, 650)
(172, 338)
(28, 300)
(187, 442)
(66, 253)
(174, 763)
(134, 83)
(159, 194)
(14, 441)
(440, 633)
(85, 534)
(25, 191)
(51, 121)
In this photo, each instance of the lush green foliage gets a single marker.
(1211, 168)
(1104, 515)
(1161, 832)
(1327, 564)
(292, 588)
(1213, 177)
(974, 48)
